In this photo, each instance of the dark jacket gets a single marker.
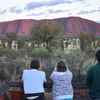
(93, 79)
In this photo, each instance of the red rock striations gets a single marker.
(72, 26)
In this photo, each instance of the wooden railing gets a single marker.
(4, 89)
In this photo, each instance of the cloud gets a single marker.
(3, 11)
(80, 0)
(98, 9)
(55, 11)
(58, 11)
(16, 10)
(87, 5)
(69, 13)
(51, 11)
(67, 10)
(82, 12)
(92, 11)
(36, 14)
(36, 4)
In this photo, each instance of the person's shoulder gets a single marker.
(91, 68)
(42, 72)
(25, 71)
(68, 71)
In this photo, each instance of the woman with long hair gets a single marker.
(62, 77)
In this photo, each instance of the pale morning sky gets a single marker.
(49, 9)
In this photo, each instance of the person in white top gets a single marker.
(62, 77)
(33, 80)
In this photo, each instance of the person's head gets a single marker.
(61, 66)
(98, 55)
(35, 64)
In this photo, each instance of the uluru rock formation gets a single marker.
(72, 26)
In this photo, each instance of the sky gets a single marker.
(49, 9)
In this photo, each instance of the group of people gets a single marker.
(62, 89)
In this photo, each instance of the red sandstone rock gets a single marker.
(72, 26)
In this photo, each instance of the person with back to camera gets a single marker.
(93, 79)
(62, 77)
(33, 81)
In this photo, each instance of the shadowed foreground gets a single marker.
(10, 90)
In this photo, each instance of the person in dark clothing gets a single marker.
(93, 79)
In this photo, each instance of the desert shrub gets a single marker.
(48, 71)
(2, 75)
(2, 66)
(39, 52)
(78, 62)
(57, 53)
(2, 63)
(28, 49)
(13, 70)
(21, 53)
(4, 51)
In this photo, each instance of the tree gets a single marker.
(54, 43)
(3, 41)
(45, 32)
(39, 52)
(10, 37)
(78, 62)
(87, 41)
(4, 51)
(2, 66)
(61, 44)
(57, 53)
(98, 43)
(20, 43)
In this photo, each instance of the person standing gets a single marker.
(93, 79)
(62, 77)
(33, 81)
